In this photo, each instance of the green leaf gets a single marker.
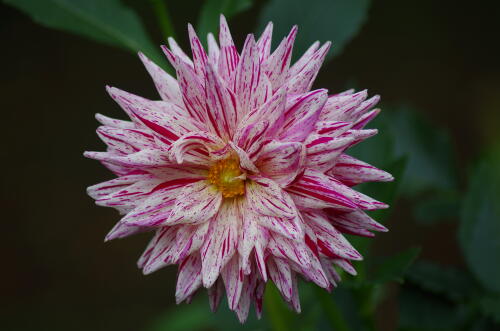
(490, 306)
(479, 232)
(394, 268)
(211, 10)
(106, 21)
(280, 317)
(455, 284)
(336, 20)
(422, 312)
(437, 207)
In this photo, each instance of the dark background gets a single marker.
(441, 57)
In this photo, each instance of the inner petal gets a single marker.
(227, 176)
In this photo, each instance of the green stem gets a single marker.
(332, 311)
(163, 17)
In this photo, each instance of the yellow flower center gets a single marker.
(227, 177)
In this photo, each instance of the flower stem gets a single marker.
(333, 313)
(163, 17)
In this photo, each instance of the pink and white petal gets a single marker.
(248, 78)
(142, 159)
(285, 248)
(303, 80)
(106, 188)
(221, 105)
(114, 123)
(166, 85)
(188, 278)
(131, 195)
(298, 66)
(277, 65)
(195, 147)
(346, 265)
(189, 240)
(125, 141)
(252, 137)
(264, 42)
(331, 129)
(301, 115)
(247, 293)
(213, 49)
(330, 271)
(196, 203)
(177, 51)
(329, 240)
(149, 248)
(282, 161)
(281, 275)
(323, 151)
(352, 171)
(221, 242)
(258, 297)
(200, 58)
(232, 275)
(253, 236)
(161, 255)
(314, 190)
(229, 57)
(340, 107)
(365, 119)
(245, 161)
(121, 230)
(215, 293)
(316, 273)
(294, 302)
(357, 219)
(287, 227)
(265, 197)
(364, 107)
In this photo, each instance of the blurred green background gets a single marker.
(436, 66)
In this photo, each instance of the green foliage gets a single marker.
(479, 232)
(456, 285)
(420, 311)
(211, 10)
(394, 268)
(108, 21)
(440, 206)
(336, 20)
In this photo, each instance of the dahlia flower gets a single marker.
(240, 170)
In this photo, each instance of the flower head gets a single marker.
(240, 170)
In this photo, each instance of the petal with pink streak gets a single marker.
(166, 85)
(285, 248)
(213, 49)
(245, 161)
(331, 273)
(277, 65)
(322, 151)
(142, 159)
(162, 252)
(357, 219)
(341, 107)
(114, 123)
(267, 198)
(221, 241)
(282, 161)
(280, 273)
(177, 51)
(301, 115)
(125, 141)
(200, 58)
(365, 119)
(232, 275)
(215, 293)
(229, 57)
(121, 230)
(221, 105)
(264, 42)
(248, 83)
(352, 171)
(188, 277)
(312, 191)
(303, 80)
(189, 240)
(194, 148)
(297, 67)
(329, 240)
(196, 203)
